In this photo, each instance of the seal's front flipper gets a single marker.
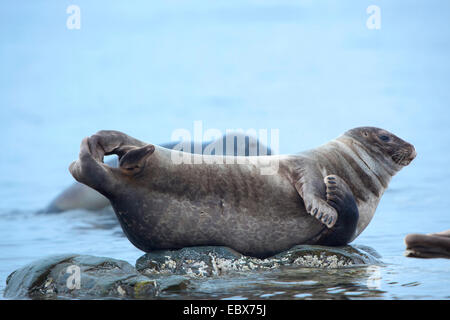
(312, 190)
(341, 198)
(322, 211)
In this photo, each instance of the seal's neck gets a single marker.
(378, 162)
(364, 172)
(382, 167)
(369, 174)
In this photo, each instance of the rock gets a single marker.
(72, 276)
(84, 277)
(173, 283)
(192, 261)
(216, 261)
(328, 257)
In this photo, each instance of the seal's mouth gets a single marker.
(404, 157)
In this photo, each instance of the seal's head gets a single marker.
(383, 143)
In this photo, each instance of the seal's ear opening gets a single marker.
(133, 161)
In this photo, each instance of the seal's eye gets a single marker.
(384, 138)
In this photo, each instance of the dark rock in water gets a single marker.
(328, 257)
(86, 277)
(214, 261)
(192, 261)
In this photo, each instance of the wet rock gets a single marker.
(192, 261)
(164, 272)
(173, 283)
(86, 277)
(216, 261)
(328, 257)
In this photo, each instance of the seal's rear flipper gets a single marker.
(90, 169)
(340, 197)
(133, 161)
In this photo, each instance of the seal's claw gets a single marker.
(330, 219)
(322, 211)
(342, 223)
(336, 189)
(336, 192)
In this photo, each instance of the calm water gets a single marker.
(311, 69)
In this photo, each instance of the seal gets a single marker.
(324, 196)
(433, 245)
(80, 196)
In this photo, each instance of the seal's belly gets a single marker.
(216, 205)
(265, 216)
